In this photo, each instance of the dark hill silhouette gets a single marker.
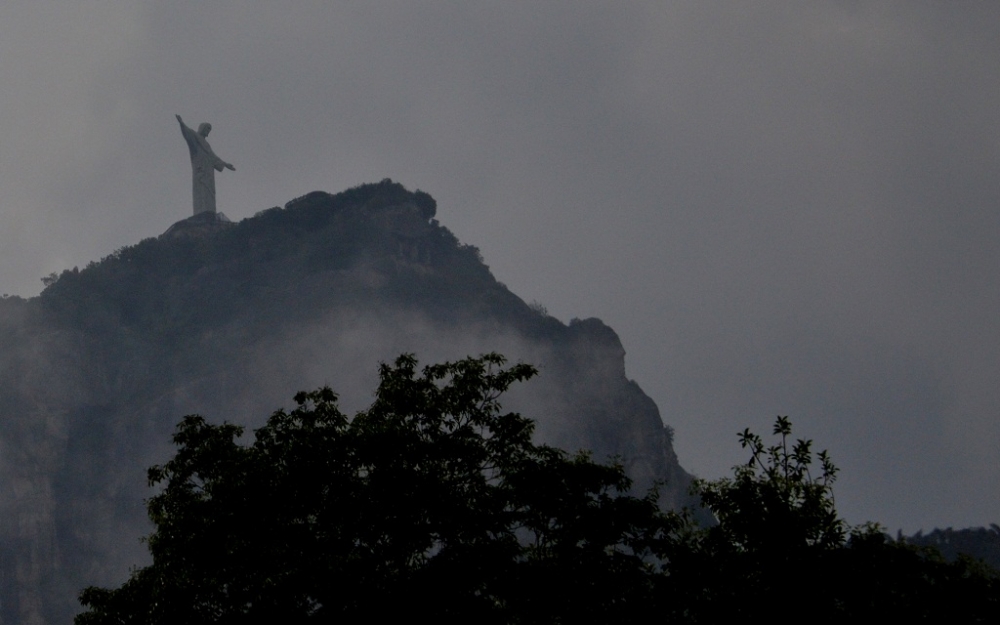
(979, 543)
(229, 320)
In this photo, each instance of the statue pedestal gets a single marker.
(199, 225)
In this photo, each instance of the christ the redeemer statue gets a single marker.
(203, 161)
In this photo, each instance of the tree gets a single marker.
(780, 545)
(431, 501)
(773, 502)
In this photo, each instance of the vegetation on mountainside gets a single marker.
(324, 240)
(435, 503)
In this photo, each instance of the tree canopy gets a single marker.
(780, 547)
(434, 502)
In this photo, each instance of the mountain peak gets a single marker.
(230, 320)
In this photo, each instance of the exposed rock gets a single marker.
(198, 225)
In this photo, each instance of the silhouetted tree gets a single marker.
(779, 542)
(432, 501)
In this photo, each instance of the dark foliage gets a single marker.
(173, 288)
(432, 501)
(779, 542)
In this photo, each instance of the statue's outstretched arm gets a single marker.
(189, 134)
(218, 163)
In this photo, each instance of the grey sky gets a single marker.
(782, 208)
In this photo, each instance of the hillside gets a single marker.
(229, 321)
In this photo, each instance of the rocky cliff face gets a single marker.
(229, 321)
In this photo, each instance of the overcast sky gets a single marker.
(781, 208)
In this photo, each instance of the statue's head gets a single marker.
(204, 129)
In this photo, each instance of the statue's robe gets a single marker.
(203, 162)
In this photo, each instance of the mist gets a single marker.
(779, 209)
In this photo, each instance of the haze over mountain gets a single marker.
(229, 321)
(781, 208)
